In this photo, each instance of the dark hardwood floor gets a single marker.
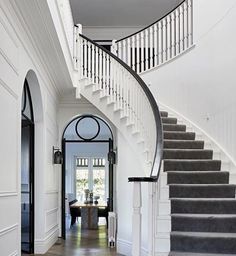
(83, 242)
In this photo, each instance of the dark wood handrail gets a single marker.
(159, 137)
(152, 23)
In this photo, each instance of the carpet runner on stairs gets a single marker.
(203, 204)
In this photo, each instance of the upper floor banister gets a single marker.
(159, 42)
(123, 88)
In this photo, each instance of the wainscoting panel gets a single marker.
(9, 210)
(7, 234)
(8, 138)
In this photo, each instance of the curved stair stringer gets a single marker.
(163, 225)
(133, 136)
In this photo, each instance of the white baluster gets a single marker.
(79, 53)
(181, 30)
(100, 69)
(125, 85)
(142, 51)
(103, 72)
(115, 81)
(120, 49)
(85, 58)
(146, 48)
(160, 44)
(191, 3)
(75, 48)
(174, 51)
(108, 74)
(89, 60)
(166, 39)
(118, 94)
(185, 25)
(190, 22)
(151, 58)
(138, 63)
(124, 51)
(93, 64)
(133, 52)
(155, 45)
(128, 52)
(96, 66)
(170, 35)
(178, 31)
(111, 90)
(137, 219)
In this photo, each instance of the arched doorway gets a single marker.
(27, 171)
(87, 131)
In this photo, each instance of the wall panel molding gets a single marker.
(48, 214)
(8, 229)
(8, 89)
(8, 39)
(8, 193)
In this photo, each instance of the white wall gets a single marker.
(17, 57)
(200, 84)
(128, 165)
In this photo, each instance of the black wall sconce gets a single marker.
(57, 156)
(111, 157)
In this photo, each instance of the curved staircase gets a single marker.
(203, 204)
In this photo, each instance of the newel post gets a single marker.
(137, 219)
(114, 47)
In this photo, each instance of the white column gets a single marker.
(137, 219)
(151, 218)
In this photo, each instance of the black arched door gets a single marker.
(27, 172)
(87, 129)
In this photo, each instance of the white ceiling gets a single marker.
(127, 13)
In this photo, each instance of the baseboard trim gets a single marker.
(124, 247)
(43, 245)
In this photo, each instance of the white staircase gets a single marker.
(120, 94)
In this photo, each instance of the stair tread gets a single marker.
(204, 215)
(178, 132)
(203, 199)
(191, 160)
(173, 253)
(204, 185)
(204, 234)
(178, 141)
(198, 172)
(187, 149)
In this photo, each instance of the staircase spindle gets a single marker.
(142, 51)
(161, 41)
(138, 63)
(133, 52)
(151, 57)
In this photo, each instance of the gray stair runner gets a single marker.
(203, 204)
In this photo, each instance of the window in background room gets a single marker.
(91, 174)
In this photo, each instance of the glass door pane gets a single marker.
(26, 217)
(82, 175)
(99, 178)
(99, 183)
